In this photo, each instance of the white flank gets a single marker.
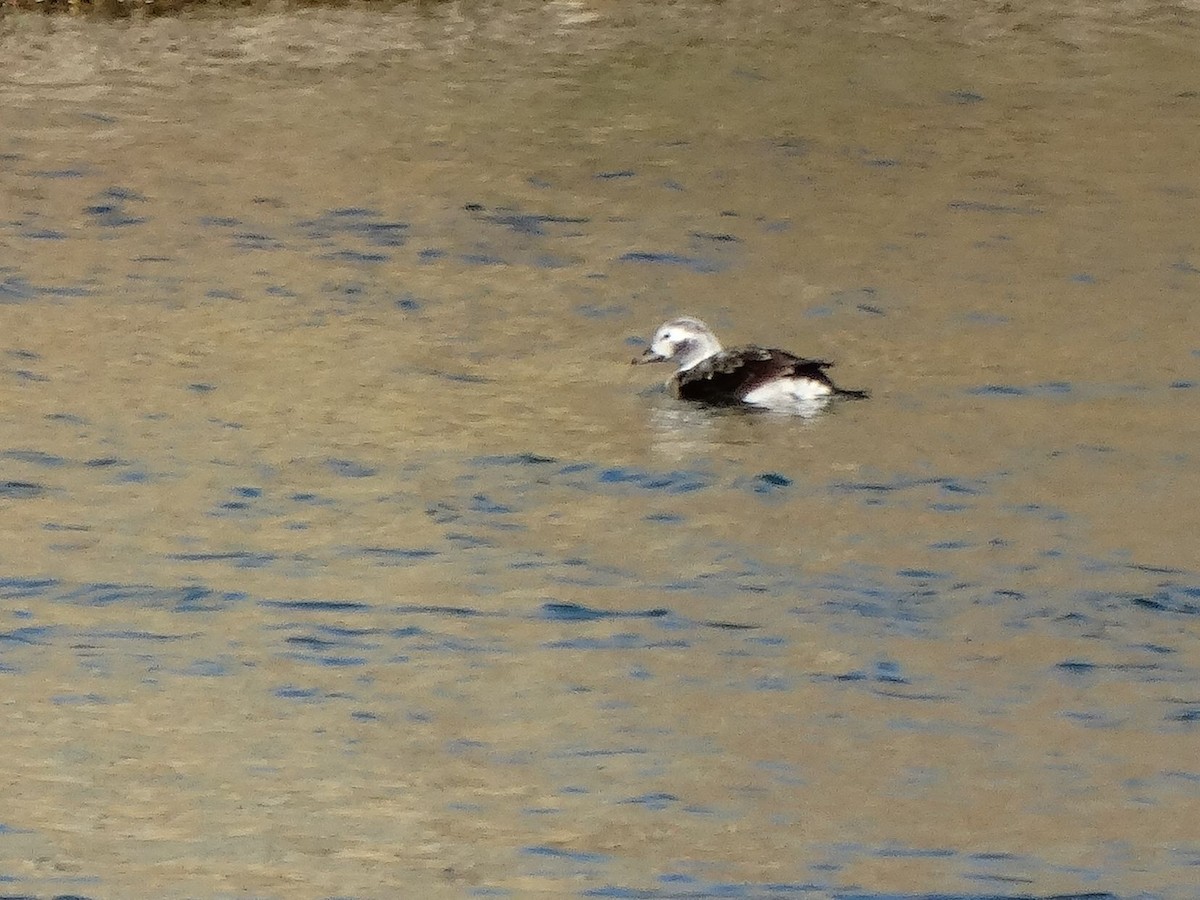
(787, 392)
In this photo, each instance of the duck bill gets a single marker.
(648, 357)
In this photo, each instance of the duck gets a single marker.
(741, 376)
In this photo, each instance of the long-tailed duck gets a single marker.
(757, 376)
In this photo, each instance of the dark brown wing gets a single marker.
(727, 377)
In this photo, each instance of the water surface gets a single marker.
(344, 554)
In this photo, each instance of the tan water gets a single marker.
(344, 554)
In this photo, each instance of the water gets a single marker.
(344, 554)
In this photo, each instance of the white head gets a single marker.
(685, 340)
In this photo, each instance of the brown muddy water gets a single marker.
(344, 554)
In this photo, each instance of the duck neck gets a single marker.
(696, 351)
